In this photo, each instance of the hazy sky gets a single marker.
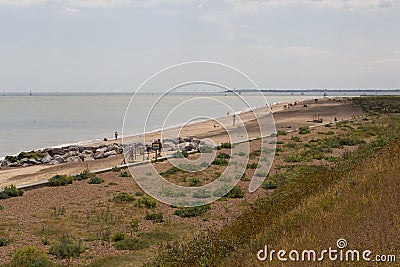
(114, 45)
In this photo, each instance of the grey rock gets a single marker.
(46, 159)
(56, 151)
(57, 160)
(74, 159)
(99, 155)
(111, 153)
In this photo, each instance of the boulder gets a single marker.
(57, 160)
(111, 153)
(73, 148)
(56, 151)
(99, 155)
(74, 159)
(46, 159)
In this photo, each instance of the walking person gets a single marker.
(116, 135)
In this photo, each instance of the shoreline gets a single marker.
(294, 117)
(99, 141)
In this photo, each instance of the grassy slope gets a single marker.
(357, 199)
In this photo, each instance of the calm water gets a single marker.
(32, 122)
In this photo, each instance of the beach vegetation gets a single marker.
(132, 244)
(269, 184)
(145, 202)
(66, 247)
(180, 154)
(118, 236)
(95, 180)
(202, 193)
(124, 174)
(281, 133)
(4, 242)
(187, 212)
(252, 166)
(84, 175)
(304, 130)
(123, 197)
(170, 171)
(60, 180)
(11, 191)
(223, 155)
(155, 217)
(30, 257)
(220, 162)
(31, 155)
(168, 192)
(116, 169)
(194, 181)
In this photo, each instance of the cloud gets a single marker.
(22, 2)
(72, 10)
(255, 5)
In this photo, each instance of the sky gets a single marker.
(115, 45)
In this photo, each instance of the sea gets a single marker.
(41, 120)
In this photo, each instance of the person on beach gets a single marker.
(116, 135)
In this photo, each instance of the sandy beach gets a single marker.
(286, 115)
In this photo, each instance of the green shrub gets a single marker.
(123, 198)
(252, 166)
(296, 139)
(304, 130)
(118, 236)
(281, 133)
(11, 191)
(194, 181)
(155, 217)
(180, 154)
(168, 192)
(60, 180)
(95, 180)
(116, 169)
(223, 155)
(222, 191)
(132, 244)
(241, 154)
(186, 212)
(3, 195)
(86, 174)
(226, 145)
(4, 242)
(170, 171)
(124, 174)
(206, 149)
(29, 257)
(145, 202)
(235, 192)
(269, 184)
(220, 162)
(293, 158)
(66, 247)
(1, 207)
(202, 193)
